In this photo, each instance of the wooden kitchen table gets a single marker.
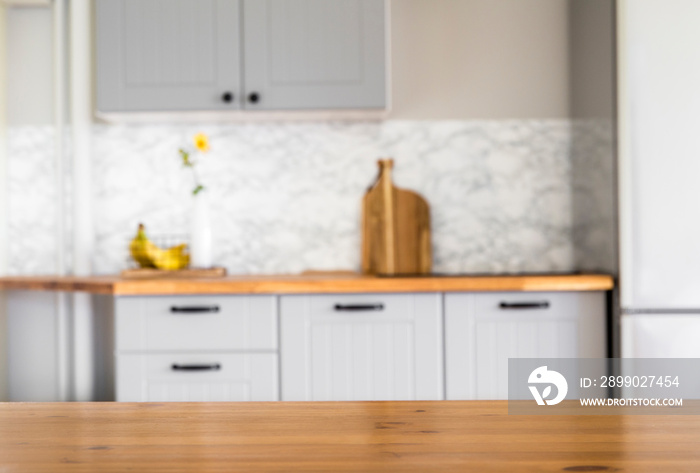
(336, 437)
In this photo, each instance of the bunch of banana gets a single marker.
(149, 255)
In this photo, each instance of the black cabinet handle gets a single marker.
(358, 307)
(212, 367)
(227, 97)
(194, 309)
(254, 97)
(524, 305)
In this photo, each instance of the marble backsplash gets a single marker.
(31, 189)
(505, 196)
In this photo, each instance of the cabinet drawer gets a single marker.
(197, 377)
(197, 323)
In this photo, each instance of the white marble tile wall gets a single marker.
(32, 201)
(286, 196)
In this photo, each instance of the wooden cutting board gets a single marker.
(395, 228)
(190, 273)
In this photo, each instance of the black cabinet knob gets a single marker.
(227, 97)
(253, 97)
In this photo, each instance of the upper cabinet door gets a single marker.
(168, 55)
(314, 54)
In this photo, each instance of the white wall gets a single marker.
(27, 35)
(30, 61)
(32, 202)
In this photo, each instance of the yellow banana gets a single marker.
(149, 255)
(140, 248)
(173, 258)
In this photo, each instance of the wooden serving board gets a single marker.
(395, 228)
(148, 273)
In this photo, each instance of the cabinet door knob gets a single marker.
(227, 97)
(254, 97)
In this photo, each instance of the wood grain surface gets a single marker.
(395, 228)
(189, 273)
(332, 283)
(437, 436)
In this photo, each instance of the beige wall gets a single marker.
(480, 59)
(592, 58)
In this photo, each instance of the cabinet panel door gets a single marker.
(183, 377)
(160, 55)
(483, 330)
(315, 54)
(196, 323)
(347, 353)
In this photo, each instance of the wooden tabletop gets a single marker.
(420, 436)
(309, 284)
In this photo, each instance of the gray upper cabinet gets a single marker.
(160, 55)
(314, 54)
(165, 55)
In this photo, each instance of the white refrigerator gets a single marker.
(659, 177)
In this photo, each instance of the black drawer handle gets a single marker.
(212, 367)
(194, 309)
(524, 305)
(358, 307)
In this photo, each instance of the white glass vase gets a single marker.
(200, 232)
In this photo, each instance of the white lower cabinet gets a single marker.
(196, 348)
(483, 330)
(197, 377)
(361, 347)
(424, 346)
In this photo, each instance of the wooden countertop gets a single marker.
(308, 284)
(420, 436)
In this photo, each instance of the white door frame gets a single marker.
(60, 98)
(3, 199)
(80, 86)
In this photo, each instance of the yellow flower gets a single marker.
(201, 141)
